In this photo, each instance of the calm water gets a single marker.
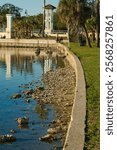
(21, 69)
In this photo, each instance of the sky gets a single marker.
(33, 7)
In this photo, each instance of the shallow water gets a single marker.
(21, 69)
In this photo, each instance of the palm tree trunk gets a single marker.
(88, 40)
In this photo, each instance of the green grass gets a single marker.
(90, 60)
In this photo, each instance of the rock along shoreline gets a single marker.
(59, 92)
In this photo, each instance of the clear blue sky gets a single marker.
(33, 7)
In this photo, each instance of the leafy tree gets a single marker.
(84, 13)
(8, 9)
(58, 25)
(25, 24)
(74, 14)
(91, 26)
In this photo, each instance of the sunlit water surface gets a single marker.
(21, 69)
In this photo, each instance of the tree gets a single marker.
(25, 24)
(8, 9)
(66, 15)
(84, 12)
(58, 25)
(91, 22)
(91, 26)
(74, 13)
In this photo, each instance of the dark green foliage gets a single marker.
(24, 25)
(58, 25)
(74, 14)
(10, 9)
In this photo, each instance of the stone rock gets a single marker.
(27, 101)
(52, 131)
(8, 138)
(23, 120)
(69, 104)
(16, 95)
(33, 96)
(41, 88)
(28, 92)
(23, 126)
(47, 138)
(12, 131)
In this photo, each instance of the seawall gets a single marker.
(76, 131)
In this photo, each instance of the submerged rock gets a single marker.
(47, 138)
(7, 138)
(27, 100)
(41, 88)
(28, 92)
(22, 121)
(16, 95)
(52, 131)
(12, 131)
(23, 126)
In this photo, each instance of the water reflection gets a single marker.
(47, 64)
(23, 71)
(22, 60)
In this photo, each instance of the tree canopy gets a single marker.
(10, 9)
(74, 13)
(77, 14)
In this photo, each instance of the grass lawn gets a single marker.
(90, 60)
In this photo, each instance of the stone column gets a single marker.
(9, 26)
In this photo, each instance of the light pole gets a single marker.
(44, 2)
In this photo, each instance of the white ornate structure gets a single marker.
(49, 18)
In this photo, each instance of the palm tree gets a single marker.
(84, 13)
(66, 14)
(74, 13)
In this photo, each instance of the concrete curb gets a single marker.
(76, 131)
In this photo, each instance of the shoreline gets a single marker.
(59, 92)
